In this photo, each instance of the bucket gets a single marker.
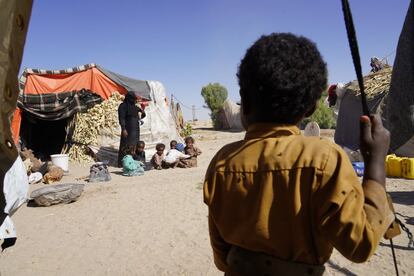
(61, 160)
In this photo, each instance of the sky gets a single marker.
(187, 44)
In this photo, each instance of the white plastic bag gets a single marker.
(15, 188)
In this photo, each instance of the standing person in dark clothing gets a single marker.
(129, 116)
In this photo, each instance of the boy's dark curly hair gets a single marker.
(281, 77)
(189, 139)
(160, 146)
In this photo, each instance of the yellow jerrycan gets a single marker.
(393, 165)
(407, 166)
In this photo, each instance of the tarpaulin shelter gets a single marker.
(48, 98)
(233, 117)
(379, 98)
(229, 116)
(399, 113)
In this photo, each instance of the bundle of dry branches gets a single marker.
(375, 83)
(84, 127)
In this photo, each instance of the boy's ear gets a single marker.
(311, 110)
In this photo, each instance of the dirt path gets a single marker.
(152, 225)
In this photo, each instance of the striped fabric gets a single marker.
(23, 77)
(57, 106)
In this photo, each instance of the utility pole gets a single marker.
(193, 109)
(172, 103)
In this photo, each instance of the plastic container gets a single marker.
(359, 168)
(393, 166)
(407, 166)
(61, 160)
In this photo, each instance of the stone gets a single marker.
(56, 194)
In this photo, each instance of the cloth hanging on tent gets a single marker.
(57, 106)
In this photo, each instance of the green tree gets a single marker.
(323, 116)
(214, 95)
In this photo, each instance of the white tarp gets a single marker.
(232, 111)
(159, 127)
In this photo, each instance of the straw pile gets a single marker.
(375, 83)
(84, 128)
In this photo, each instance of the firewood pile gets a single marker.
(375, 83)
(84, 128)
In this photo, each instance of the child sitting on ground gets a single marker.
(174, 158)
(192, 151)
(178, 146)
(279, 202)
(131, 167)
(157, 159)
(140, 152)
(173, 144)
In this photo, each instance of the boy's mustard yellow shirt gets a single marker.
(293, 197)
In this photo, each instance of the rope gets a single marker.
(353, 45)
(186, 106)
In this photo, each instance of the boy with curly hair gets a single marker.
(279, 202)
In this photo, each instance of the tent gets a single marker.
(49, 98)
(229, 116)
(378, 98)
(232, 111)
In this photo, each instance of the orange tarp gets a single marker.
(91, 79)
(15, 125)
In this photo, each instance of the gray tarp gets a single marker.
(347, 124)
(400, 107)
(140, 87)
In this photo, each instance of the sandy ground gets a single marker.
(155, 224)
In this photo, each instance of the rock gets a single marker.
(56, 194)
(312, 129)
(28, 155)
(37, 165)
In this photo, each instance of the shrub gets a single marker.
(323, 116)
(187, 130)
(214, 95)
